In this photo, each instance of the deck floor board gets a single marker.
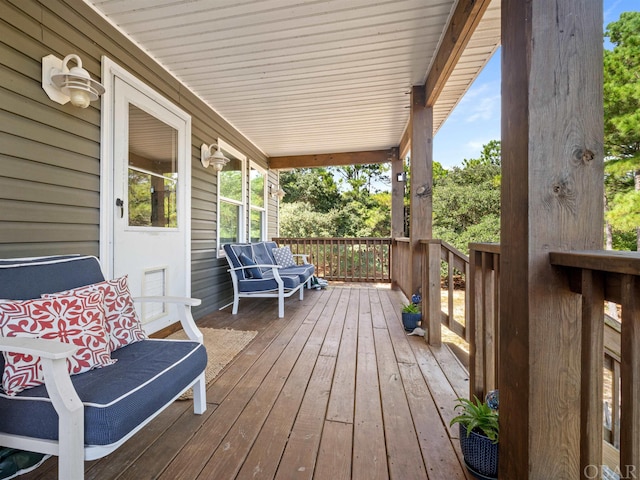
(334, 390)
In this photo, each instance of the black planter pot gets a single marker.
(411, 320)
(480, 454)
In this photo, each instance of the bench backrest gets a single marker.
(27, 278)
(259, 252)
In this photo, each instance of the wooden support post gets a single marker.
(552, 191)
(420, 223)
(397, 213)
(434, 300)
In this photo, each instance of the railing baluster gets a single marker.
(450, 310)
(592, 360)
(630, 371)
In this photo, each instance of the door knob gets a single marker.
(120, 203)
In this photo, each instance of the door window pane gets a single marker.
(152, 171)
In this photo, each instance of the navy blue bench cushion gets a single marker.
(233, 252)
(267, 282)
(263, 253)
(303, 271)
(248, 262)
(25, 279)
(116, 398)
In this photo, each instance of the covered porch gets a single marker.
(383, 410)
(335, 390)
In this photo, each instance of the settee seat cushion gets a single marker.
(303, 271)
(116, 398)
(267, 283)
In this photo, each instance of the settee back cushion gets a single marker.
(262, 253)
(28, 278)
(233, 252)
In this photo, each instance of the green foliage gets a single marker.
(622, 124)
(313, 186)
(361, 178)
(313, 205)
(491, 155)
(477, 416)
(466, 201)
(300, 220)
(411, 308)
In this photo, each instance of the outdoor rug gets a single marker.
(222, 346)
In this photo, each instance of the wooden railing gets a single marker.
(402, 263)
(601, 276)
(346, 259)
(484, 317)
(611, 402)
(435, 253)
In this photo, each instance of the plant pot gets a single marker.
(480, 454)
(411, 320)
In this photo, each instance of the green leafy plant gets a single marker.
(477, 416)
(411, 308)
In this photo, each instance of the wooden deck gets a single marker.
(335, 390)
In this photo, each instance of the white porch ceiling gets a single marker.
(306, 76)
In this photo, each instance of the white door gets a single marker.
(151, 153)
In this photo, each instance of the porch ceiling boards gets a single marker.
(307, 76)
(334, 390)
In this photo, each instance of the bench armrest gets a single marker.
(262, 265)
(304, 256)
(192, 302)
(38, 347)
(53, 359)
(183, 304)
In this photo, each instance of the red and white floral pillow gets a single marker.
(75, 319)
(123, 325)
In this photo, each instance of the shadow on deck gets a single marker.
(335, 390)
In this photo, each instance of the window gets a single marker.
(258, 203)
(231, 204)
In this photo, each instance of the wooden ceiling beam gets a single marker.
(333, 159)
(464, 21)
(405, 141)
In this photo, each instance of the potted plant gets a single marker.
(478, 437)
(411, 316)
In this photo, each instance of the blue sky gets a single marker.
(476, 119)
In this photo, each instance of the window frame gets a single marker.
(265, 174)
(242, 204)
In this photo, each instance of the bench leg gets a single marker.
(236, 301)
(200, 395)
(302, 292)
(70, 418)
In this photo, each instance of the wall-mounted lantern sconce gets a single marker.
(217, 158)
(276, 191)
(63, 84)
(401, 177)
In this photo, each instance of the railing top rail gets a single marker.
(602, 260)
(377, 239)
(446, 246)
(402, 239)
(485, 247)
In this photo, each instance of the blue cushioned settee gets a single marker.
(261, 269)
(88, 415)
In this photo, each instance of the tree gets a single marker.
(466, 201)
(313, 186)
(361, 178)
(314, 206)
(622, 125)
